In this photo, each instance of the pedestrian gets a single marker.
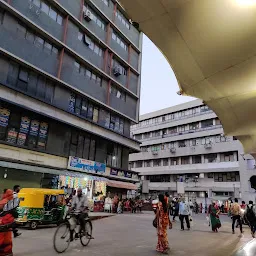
(140, 204)
(243, 207)
(250, 215)
(236, 216)
(184, 212)
(119, 208)
(191, 207)
(196, 208)
(176, 210)
(162, 225)
(16, 190)
(167, 199)
(6, 221)
(214, 211)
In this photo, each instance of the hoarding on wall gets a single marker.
(79, 164)
(4, 116)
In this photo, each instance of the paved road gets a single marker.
(134, 235)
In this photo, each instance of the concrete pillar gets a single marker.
(202, 159)
(235, 156)
(218, 158)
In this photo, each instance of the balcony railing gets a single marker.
(170, 120)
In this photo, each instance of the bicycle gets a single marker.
(70, 224)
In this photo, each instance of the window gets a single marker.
(165, 161)
(204, 108)
(193, 126)
(80, 36)
(77, 66)
(172, 130)
(156, 162)
(95, 18)
(117, 64)
(207, 123)
(30, 36)
(160, 178)
(122, 19)
(21, 30)
(119, 41)
(185, 160)
(147, 163)
(91, 44)
(45, 8)
(117, 93)
(48, 10)
(23, 75)
(210, 175)
(227, 157)
(227, 177)
(156, 133)
(196, 159)
(139, 164)
(106, 2)
(217, 121)
(174, 161)
(155, 148)
(193, 142)
(182, 143)
(39, 42)
(210, 158)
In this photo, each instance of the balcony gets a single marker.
(182, 133)
(190, 168)
(189, 150)
(171, 120)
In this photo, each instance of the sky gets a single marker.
(159, 85)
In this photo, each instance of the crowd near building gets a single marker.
(70, 88)
(187, 143)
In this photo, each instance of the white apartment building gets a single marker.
(187, 143)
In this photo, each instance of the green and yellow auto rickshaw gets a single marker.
(40, 207)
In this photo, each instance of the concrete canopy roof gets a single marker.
(211, 47)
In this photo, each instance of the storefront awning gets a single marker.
(120, 184)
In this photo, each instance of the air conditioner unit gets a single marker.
(117, 71)
(155, 153)
(208, 146)
(87, 15)
(172, 150)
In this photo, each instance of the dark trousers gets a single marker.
(186, 217)
(176, 213)
(14, 228)
(252, 226)
(238, 219)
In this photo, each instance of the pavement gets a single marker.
(133, 234)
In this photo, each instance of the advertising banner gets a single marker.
(34, 128)
(4, 116)
(79, 164)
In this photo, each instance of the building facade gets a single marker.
(70, 89)
(187, 143)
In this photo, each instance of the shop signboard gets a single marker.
(34, 128)
(79, 164)
(24, 125)
(128, 175)
(113, 172)
(4, 116)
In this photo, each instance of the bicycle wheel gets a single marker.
(85, 237)
(61, 239)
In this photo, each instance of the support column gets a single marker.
(64, 39)
(114, 13)
(81, 10)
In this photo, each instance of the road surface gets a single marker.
(134, 235)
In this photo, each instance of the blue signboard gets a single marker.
(79, 164)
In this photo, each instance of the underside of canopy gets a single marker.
(211, 46)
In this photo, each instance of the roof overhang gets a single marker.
(211, 48)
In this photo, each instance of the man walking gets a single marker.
(16, 190)
(184, 214)
(236, 216)
(250, 215)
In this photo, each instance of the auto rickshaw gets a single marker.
(40, 207)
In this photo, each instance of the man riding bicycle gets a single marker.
(79, 205)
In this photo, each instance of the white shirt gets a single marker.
(79, 203)
(15, 194)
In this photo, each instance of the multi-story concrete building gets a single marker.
(187, 143)
(70, 87)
